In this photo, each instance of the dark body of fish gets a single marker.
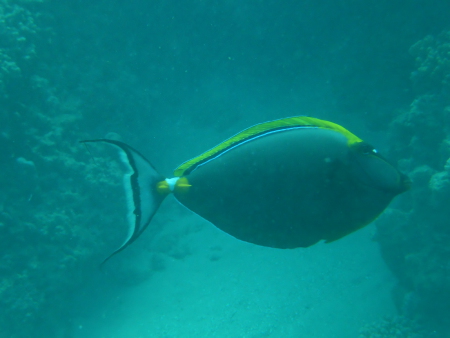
(284, 184)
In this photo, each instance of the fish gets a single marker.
(286, 183)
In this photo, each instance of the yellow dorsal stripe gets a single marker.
(261, 129)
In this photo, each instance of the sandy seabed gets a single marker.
(242, 290)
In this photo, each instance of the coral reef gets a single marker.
(52, 232)
(18, 32)
(432, 56)
(414, 236)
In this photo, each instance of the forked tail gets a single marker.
(143, 197)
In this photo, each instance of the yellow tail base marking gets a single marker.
(182, 186)
(162, 187)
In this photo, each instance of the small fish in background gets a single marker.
(286, 183)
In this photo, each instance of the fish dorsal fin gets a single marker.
(260, 130)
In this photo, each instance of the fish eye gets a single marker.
(369, 151)
(366, 149)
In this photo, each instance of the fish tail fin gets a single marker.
(145, 190)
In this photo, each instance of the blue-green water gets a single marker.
(173, 79)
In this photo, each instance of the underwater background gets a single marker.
(174, 78)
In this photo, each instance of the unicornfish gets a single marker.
(286, 183)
